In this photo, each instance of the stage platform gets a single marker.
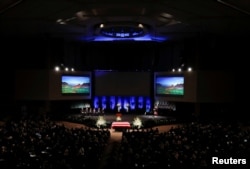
(129, 117)
(123, 118)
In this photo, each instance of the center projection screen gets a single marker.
(114, 83)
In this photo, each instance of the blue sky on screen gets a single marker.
(170, 80)
(74, 80)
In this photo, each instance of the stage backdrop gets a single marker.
(114, 83)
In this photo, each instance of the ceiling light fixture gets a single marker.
(121, 30)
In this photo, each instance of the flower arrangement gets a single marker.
(137, 122)
(101, 122)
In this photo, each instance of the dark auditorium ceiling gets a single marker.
(124, 20)
(159, 20)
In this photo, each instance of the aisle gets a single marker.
(113, 143)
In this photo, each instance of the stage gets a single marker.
(129, 117)
(146, 120)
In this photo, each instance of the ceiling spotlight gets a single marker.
(59, 20)
(57, 68)
(101, 25)
(140, 25)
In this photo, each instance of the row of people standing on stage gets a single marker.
(92, 111)
(102, 110)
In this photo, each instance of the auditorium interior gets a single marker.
(128, 84)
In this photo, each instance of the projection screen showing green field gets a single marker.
(169, 85)
(76, 84)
